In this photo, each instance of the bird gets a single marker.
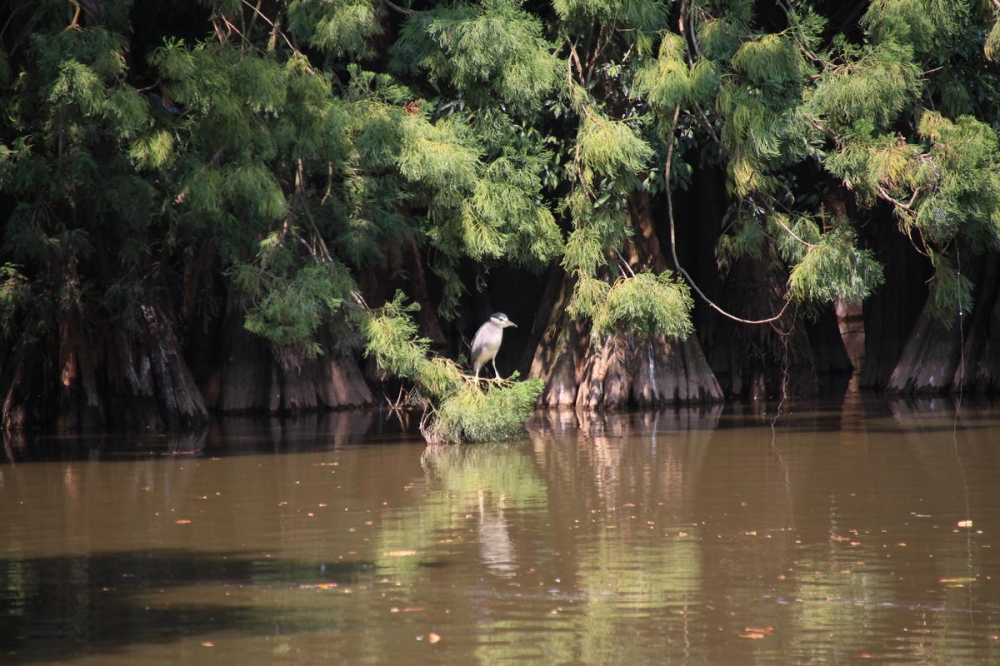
(486, 344)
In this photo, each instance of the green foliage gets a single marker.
(342, 28)
(868, 93)
(610, 148)
(15, 298)
(647, 303)
(456, 408)
(489, 51)
(930, 26)
(772, 63)
(747, 239)
(835, 268)
(991, 47)
(288, 309)
(439, 155)
(498, 413)
(667, 81)
(636, 15)
(584, 251)
(962, 178)
(868, 164)
(793, 237)
(951, 293)
(641, 304)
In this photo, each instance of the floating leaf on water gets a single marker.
(182, 521)
(961, 581)
(433, 638)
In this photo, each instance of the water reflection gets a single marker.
(813, 533)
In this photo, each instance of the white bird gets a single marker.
(486, 344)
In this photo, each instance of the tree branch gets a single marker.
(182, 197)
(673, 239)
(274, 25)
(396, 8)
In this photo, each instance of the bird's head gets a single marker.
(500, 319)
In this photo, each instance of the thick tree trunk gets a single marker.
(777, 359)
(86, 376)
(404, 271)
(960, 352)
(929, 359)
(620, 370)
(81, 404)
(891, 312)
(979, 367)
(252, 379)
(561, 344)
(792, 356)
(151, 384)
(22, 381)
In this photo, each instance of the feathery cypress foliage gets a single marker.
(455, 408)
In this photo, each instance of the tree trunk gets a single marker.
(791, 356)
(561, 344)
(621, 370)
(776, 359)
(80, 402)
(152, 386)
(962, 352)
(929, 359)
(932, 359)
(86, 376)
(979, 366)
(404, 271)
(891, 312)
(253, 379)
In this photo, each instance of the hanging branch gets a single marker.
(793, 234)
(183, 194)
(396, 8)
(275, 26)
(673, 239)
(300, 194)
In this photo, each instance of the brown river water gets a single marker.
(855, 532)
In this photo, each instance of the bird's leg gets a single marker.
(75, 23)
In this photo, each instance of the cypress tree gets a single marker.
(211, 208)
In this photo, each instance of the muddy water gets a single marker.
(858, 533)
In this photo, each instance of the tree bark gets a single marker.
(791, 356)
(561, 344)
(979, 365)
(933, 357)
(147, 369)
(620, 370)
(86, 376)
(929, 359)
(253, 379)
(891, 312)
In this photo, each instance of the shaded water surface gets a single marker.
(858, 533)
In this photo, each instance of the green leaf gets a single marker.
(835, 268)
